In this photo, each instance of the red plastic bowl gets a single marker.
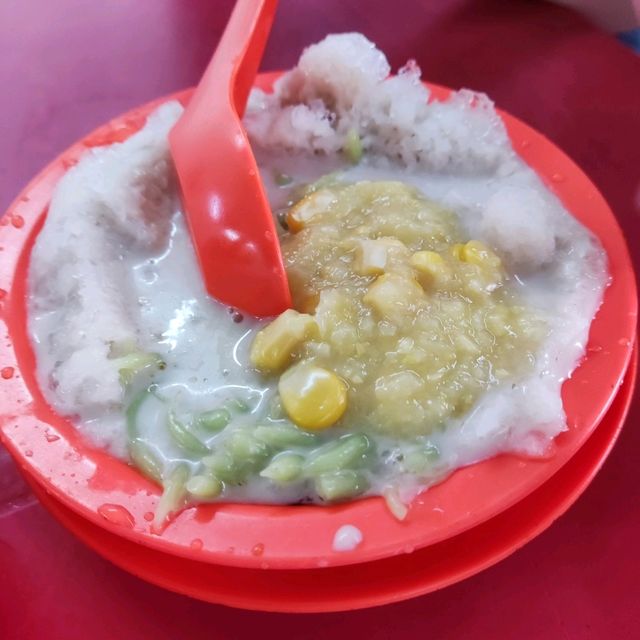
(113, 495)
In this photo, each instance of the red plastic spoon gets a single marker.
(226, 207)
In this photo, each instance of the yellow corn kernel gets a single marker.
(394, 296)
(303, 212)
(426, 260)
(314, 398)
(370, 258)
(273, 346)
(456, 251)
(430, 265)
(475, 252)
(373, 257)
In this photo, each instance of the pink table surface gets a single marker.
(68, 65)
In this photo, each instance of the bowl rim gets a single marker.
(113, 495)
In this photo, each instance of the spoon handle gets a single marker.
(236, 60)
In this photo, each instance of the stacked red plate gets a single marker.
(281, 558)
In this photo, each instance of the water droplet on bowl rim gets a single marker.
(7, 372)
(258, 549)
(196, 544)
(117, 514)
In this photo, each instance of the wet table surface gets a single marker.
(69, 65)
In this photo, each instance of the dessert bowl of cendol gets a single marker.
(463, 314)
